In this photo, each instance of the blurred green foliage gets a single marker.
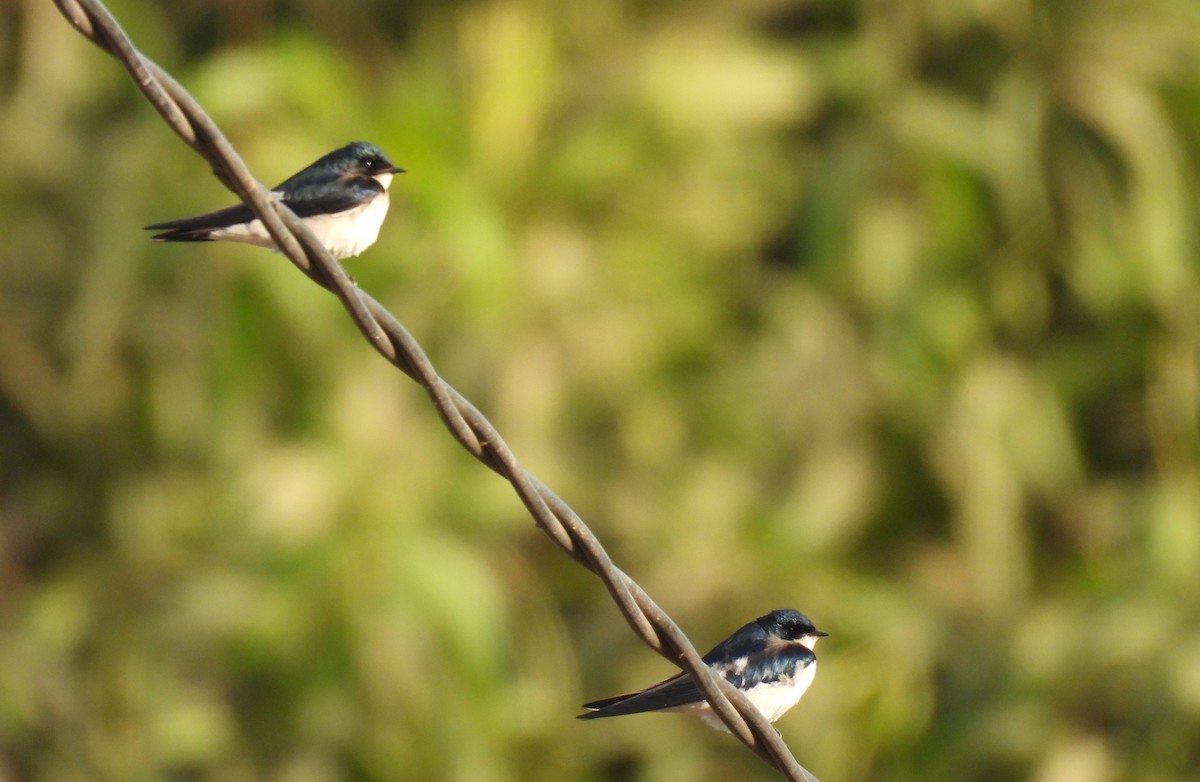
(887, 311)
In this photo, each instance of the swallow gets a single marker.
(342, 198)
(770, 660)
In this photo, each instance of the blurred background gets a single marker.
(886, 311)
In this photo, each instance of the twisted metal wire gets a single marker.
(389, 337)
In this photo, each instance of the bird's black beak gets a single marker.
(391, 170)
(819, 633)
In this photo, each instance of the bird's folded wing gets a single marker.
(320, 195)
(677, 691)
(317, 197)
(222, 218)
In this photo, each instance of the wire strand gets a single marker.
(467, 425)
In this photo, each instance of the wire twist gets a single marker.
(389, 337)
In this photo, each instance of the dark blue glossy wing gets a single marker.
(757, 661)
(310, 192)
(677, 691)
(781, 662)
(306, 194)
(196, 228)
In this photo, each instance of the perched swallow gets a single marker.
(342, 198)
(770, 660)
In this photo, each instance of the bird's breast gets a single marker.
(347, 234)
(771, 699)
(774, 699)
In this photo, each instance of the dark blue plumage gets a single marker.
(770, 659)
(342, 197)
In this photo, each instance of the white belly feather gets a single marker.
(772, 700)
(344, 234)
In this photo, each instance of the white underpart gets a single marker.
(344, 234)
(772, 700)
